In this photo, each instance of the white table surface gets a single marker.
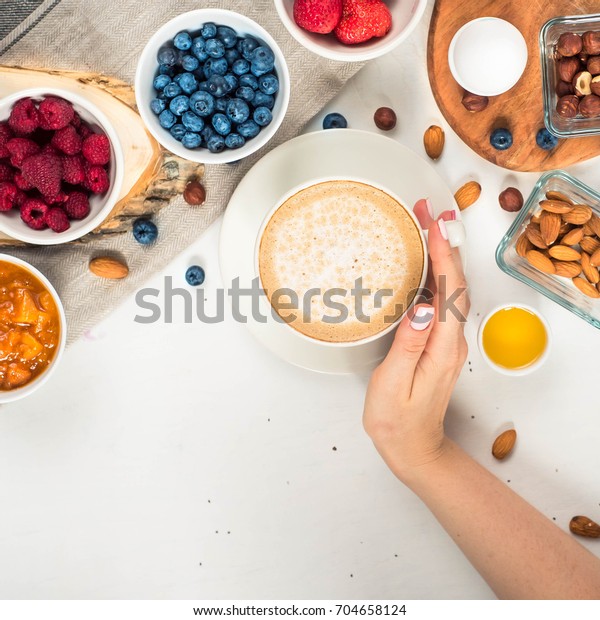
(183, 461)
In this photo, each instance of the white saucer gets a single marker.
(342, 153)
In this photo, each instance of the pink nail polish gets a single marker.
(422, 318)
(443, 229)
(429, 208)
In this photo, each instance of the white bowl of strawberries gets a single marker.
(350, 30)
(61, 166)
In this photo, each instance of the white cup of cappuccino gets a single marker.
(323, 236)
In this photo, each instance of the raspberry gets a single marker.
(5, 135)
(44, 172)
(55, 113)
(20, 198)
(33, 213)
(76, 122)
(58, 199)
(73, 170)
(96, 179)
(21, 183)
(96, 149)
(6, 172)
(24, 117)
(77, 206)
(67, 140)
(57, 219)
(20, 149)
(8, 193)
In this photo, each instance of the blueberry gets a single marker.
(249, 129)
(207, 133)
(203, 104)
(246, 93)
(192, 122)
(249, 80)
(167, 119)
(179, 105)
(215, 48)
(188, 83)
(231, 56)
(172, 90)
(268, 84)
(182, 41)
(227, 35)
(232, 81)
(217, 85)
(261, 99)
(257, 69)
(199, 49)
(166, 56)
(221, 124)
(234, 141)
(216, 143)
(215, 66)
(262, 116)
(240, 66)
(203, 86)
(178, 131)
(166, 70)
(545, 140)
(160, 81)
(335, 121)
(247, 46)
(190, 63)
(263, 60)
(238, 111)
(501, 139)
(177, 78)
(194, 276)
(157, 106)
(221, 104)
(145, 231)
(209, 30)
(191, 140)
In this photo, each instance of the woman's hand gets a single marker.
(409, 392)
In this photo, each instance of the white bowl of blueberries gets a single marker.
(212, 86)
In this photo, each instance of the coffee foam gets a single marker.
(328, 235)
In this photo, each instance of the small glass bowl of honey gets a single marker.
(514, 339)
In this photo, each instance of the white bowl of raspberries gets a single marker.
(61, 166)
(350, 30)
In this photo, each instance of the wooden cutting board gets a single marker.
(153, 175)
(521, 109)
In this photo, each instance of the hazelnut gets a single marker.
(583, 57)
(194, 193)
(591, 43)
(474, 103)
(593, 65)
(568, 106)
(581, 83)
(511, 199)
(590, 106)
(564, 88)
(569, 44)
(568, 68)
(385, 119)
(595, 85)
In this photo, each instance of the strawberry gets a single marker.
(362, 20)
(320, 16)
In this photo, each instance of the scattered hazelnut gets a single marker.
(569, 44)
(581, 83)
(593, 65)
(595, 85)
(591, 43)
(568, 106)
(194, 193)
(568, 68)
(564, 88)
(474, 103)
(590, 106)
(511, 199)
(385, 119)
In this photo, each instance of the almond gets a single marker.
(583, 526)
(550, 227)
(573, 237)
(540, 261)
(467, 195)
(578, 215)
(591, 273)
(588, 230)
(111, 268)
(504, 444)
(589, 244)
(559, 197)
(564, 252)
(564, 228)
(536, 218)
(567, 270)
(595, 258)
(523, 246)
(534, 235)
(586, 288)
(556, 206)
(594, 224)
(433, 141)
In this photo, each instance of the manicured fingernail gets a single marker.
(422, 318)
(429, 208)
(443, 229)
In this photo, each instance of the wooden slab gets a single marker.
(521, 108)
(153, 175)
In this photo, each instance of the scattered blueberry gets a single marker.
(263, 60)
(234, 141)
(545, 140)
(192, 122)
(191, 140)
(199, 49)
(215, 48)
(232, 81)
(194, 276)
(217, 85)
(227, 35)
(209, 30)
(215, 66)
(501, 139)
(145, 231)
(241, 66)
(249, 80)
(157, 105)
(166, 70)
(188, 83)
(166, 56)
(203, 104)
(190, 63)
(261, 99)
(262, 116)
(247, 46)
(268, 84)
(182, 41)
(160, 81)
(238, 111)
(216, 143)
(172, 90)
(178, 131)
(231, 56)
(221, 123)
(246, 93)
(248, 130)
(179, 105)
(167, 119)
(221, 104)
(335, 121)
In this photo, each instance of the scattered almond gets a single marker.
(591, 273)
(433, 141)
(595, 258)
(540, 261)
(467, 195)
(550, 227)
(504, 444)
(111, 268)
(573, 237)
(589, 244)
(586, 288)
(583, 526)
(579, 215)
(556, 206)
(558, 196)
(594, 224)
(564, 252)
(588, 230)
(535, 236)
(567, 270)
